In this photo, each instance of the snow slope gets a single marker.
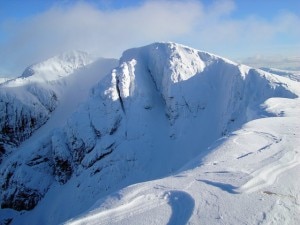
(204, 129)
(247, 177)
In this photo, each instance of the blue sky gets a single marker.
(245, 30)
(18, 9)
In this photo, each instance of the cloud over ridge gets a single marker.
(107, 32)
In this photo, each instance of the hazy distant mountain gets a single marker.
(3, 79)
(293, 75)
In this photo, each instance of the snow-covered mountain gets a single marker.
(58, 66)
(165, 108)
(293, 75)
(3, 79)
(28, 101)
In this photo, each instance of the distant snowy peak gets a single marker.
(4, 79)
(59, 66)
(293, 75)
(27, 102)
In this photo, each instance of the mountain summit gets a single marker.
(164, 105)
(61, 65)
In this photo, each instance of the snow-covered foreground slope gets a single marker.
(247, 177)
(165, 108)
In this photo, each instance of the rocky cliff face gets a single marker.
(23, 112)
(163, 103)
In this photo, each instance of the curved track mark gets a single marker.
(268, 174)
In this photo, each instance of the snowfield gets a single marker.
(171, 135)
(247, 177)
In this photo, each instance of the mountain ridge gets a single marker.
(164, 103)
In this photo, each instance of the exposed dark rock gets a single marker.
(18, 122)
(37, 160)
(79, 153)
(119, 94)
(21, 199)
(6, 221)
(63, 170)
(2, 152)
(62, 158)
(115, 126)
(99, 157)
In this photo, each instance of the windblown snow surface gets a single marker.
(172, 135)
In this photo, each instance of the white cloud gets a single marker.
(109, 32)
